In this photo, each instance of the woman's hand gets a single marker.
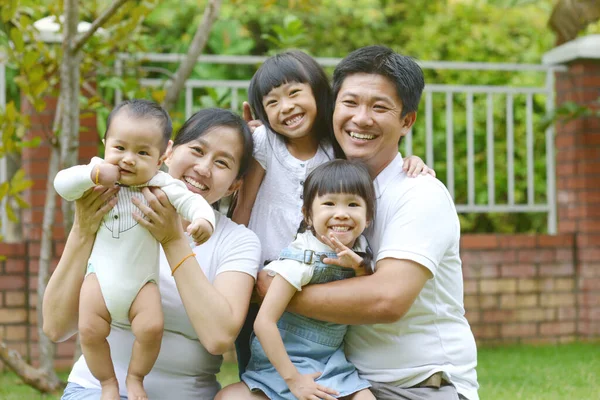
(247, 113)
(160, 217)
(92, 207)
(346, 257)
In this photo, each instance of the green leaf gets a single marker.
(21, 202)
(4, 186)
(17, 37)
(10, 213)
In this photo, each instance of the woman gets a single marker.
(204, 298)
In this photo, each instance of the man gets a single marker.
(414, 341)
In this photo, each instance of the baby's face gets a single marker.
(134, 145)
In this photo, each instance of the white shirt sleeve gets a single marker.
(260, 146)
(72, 183)
(296, 273)
(239, 251)
(421, 227)
(189, 205)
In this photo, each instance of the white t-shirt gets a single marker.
(416, 220)
(184, 369)
(277, 210)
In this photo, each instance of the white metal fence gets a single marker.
(502, 103)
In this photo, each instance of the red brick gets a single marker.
(486, 330)
(517, 241)
(567, 313)
(535, 315)
(12, 315)
(491, 286)
(14, 266)
(555, 241)
(557, 328)
(470, 286)
(479, 242)
(518, 271)
(566, 269)
(15, 333)
(589, 284)
(480, 271)
(14, 299)
(519, 330)
(12, 282)
(536, 256)
(12, 249)
(497, 315)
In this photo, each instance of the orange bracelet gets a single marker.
(97, 173)
(181, 262)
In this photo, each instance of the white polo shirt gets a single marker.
(416, 220)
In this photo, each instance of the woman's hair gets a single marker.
(296, 66)
(340, 176)
(211, 119)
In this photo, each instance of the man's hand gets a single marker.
(200, 229)
(105, 174)
(263, 281)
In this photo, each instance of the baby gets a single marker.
(121, 280)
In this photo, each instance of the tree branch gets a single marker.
(211, 12)
(34, 377)
(101, 20)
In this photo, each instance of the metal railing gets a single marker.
(450, 93)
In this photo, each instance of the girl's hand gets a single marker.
(247, 115)
(160, 217)
(304, 387)
(92, 207)
(414, 166)
(346, 257)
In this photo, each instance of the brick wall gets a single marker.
(518, 288)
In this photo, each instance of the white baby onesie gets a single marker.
(125, 255)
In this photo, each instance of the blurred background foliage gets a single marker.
(435, 30)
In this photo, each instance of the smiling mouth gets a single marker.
(340, 228)
(360, 136)
(294, 120)
(195, 183)
(125, 171)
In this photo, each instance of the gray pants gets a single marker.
(383, 391)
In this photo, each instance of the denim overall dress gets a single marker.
(312, 345)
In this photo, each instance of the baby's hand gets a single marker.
(346, 257)
(200, 229)
(414, 166)
(105, 174)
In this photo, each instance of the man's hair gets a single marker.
(402, 71)
(144, 109)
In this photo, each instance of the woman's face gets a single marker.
(209, 164)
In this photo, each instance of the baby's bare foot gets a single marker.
(110, 389)
(135, 388)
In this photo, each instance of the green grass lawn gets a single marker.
(517, 372)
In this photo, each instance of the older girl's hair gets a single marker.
(296, 66)
(211, 119)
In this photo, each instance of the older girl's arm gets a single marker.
(216, 310)
(247, 193)
(60, 308)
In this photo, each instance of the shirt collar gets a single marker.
(388, 174)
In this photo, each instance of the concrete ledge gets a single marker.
(586, 47)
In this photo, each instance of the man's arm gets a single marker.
(383, 297)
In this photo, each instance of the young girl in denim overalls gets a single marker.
(298, 357)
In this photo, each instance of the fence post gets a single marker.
(578, 170)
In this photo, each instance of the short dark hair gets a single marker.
(339, 176)
(295, 66)
(402, 70)
(209, 119)
(140, 108)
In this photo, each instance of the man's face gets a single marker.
(367, 120)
